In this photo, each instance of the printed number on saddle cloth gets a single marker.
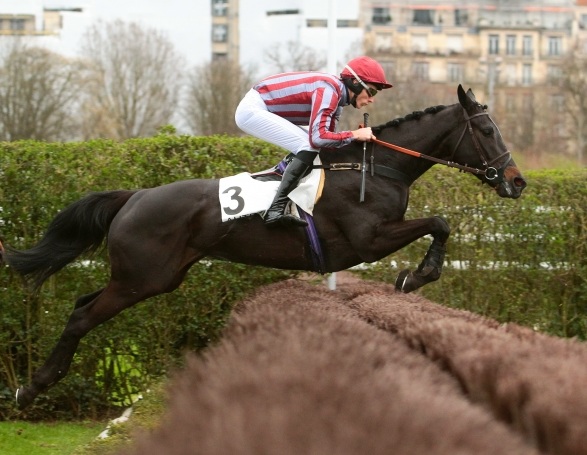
(241, 195)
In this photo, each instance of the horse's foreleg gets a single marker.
(430, 268)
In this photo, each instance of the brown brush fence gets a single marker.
(521, 261)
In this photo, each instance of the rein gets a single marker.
(490, 173)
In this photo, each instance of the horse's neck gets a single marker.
(426, 136)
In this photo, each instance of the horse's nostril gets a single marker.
(520, 182)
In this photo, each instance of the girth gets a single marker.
(373, 169)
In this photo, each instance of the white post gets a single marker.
(332, 63)
(332, 69)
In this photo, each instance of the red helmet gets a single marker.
(365, 69)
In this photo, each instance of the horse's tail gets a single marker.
(77, 229)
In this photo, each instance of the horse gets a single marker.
(155, 235)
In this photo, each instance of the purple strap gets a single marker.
(316, 249)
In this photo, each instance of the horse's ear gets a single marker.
(466, 98)
(462, 96)
(471, 95)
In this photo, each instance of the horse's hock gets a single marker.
(366, 370)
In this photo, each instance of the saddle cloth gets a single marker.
(242, 195)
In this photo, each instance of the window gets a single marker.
(527, 45)
(510, 44)
(282, 12)
(494, 44)
(420, 43)
(346, 23)
(316, 23)
(454, 43)
(455, 72)
(380, 16)
(461, 17)
(422, 17)
(527, 74)
(554, 45)
(554, 72)
(16, 24)
(383, 42)
(219, 56)
(510, 74)
(219, 7)
(557, 103)
(420, 71)
(219, 33)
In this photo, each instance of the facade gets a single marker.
(225, 30)
(510, 52)
(512, 43)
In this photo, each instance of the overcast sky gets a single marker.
(186, 22)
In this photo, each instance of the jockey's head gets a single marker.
(361, 71)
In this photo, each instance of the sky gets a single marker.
(185, 22)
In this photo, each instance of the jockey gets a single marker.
(275, 109)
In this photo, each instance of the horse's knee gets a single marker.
(441, 229)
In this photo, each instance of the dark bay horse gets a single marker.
(155, 235)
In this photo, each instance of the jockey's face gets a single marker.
(365, 98)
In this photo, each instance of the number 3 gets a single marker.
(234, 197)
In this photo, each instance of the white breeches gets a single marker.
(253, 118)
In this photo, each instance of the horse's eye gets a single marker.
(487, 132)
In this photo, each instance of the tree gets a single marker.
(573, 83)
(213, 93)
(293, 57)
(134, 82)
(38, 93)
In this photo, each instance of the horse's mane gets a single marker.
(416, 115)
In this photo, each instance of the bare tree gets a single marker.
(134, 80)
(293, 57)
(38, 90)
(213, 93)
(573, 83)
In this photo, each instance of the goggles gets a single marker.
(370, 90)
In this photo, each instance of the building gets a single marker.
(513, 43)
(244, 30)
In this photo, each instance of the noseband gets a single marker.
(490, 172)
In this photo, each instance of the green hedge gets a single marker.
(116, 360)
(521, 261)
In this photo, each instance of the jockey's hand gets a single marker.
(363, 134)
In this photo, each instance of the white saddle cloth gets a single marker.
(242, 195)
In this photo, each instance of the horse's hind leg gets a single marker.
(90, 311)
(431, 267)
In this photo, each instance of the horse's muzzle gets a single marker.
(511, 184)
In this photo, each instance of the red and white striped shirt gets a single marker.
(308, 98)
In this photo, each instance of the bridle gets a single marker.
(490, 172)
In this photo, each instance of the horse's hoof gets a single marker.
(21, 399)
(401, 281)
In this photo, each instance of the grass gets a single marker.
(80, 438)
(146, 415)
(45, 438)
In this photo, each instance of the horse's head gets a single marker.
(481, 144)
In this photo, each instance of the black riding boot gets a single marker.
(276, 213)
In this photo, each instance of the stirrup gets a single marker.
(284, 220)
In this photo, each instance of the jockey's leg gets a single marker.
(295, 170)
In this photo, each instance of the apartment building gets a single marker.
(515, 42)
